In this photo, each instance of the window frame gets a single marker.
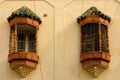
(26, 41)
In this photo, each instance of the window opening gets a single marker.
(26, 39)
(104, 38)
(90, 39)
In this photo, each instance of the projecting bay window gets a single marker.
(23, 42)
(95, 55)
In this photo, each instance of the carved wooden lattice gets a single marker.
(90, 37)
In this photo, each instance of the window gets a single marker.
(21, 41)
(90, 39)
(31, 39)
(26, 38)
(104, 38)
(23, 38)
(26, 41)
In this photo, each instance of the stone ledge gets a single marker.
(95, 55)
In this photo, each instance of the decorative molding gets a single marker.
(23, 20)
(2, 1)
(94, 19)
(118, 1)
(68, 3)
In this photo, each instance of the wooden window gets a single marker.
(21, 41)
(31, 38)
(104, 38)
(26, 39)
(90, 38)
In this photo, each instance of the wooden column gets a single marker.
(36, 41)
(10, 40)
(100, 39)
(107, 39)
(81, 35)
(15, 38)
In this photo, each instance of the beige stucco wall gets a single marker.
(59, 39)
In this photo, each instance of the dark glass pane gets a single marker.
(21, 46)
(21, 41)
(31, 38)
(90, 38)
(26, 38)
(104, 38)
(32, 46)
(21, 36)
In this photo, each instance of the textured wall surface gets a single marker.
(59, 39)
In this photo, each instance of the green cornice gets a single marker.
(95, 11)
(24, 11)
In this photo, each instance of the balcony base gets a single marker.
(95, 62)
(95, 70)
(22, 70)
(23, 63)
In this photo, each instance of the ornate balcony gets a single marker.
(23, 62)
